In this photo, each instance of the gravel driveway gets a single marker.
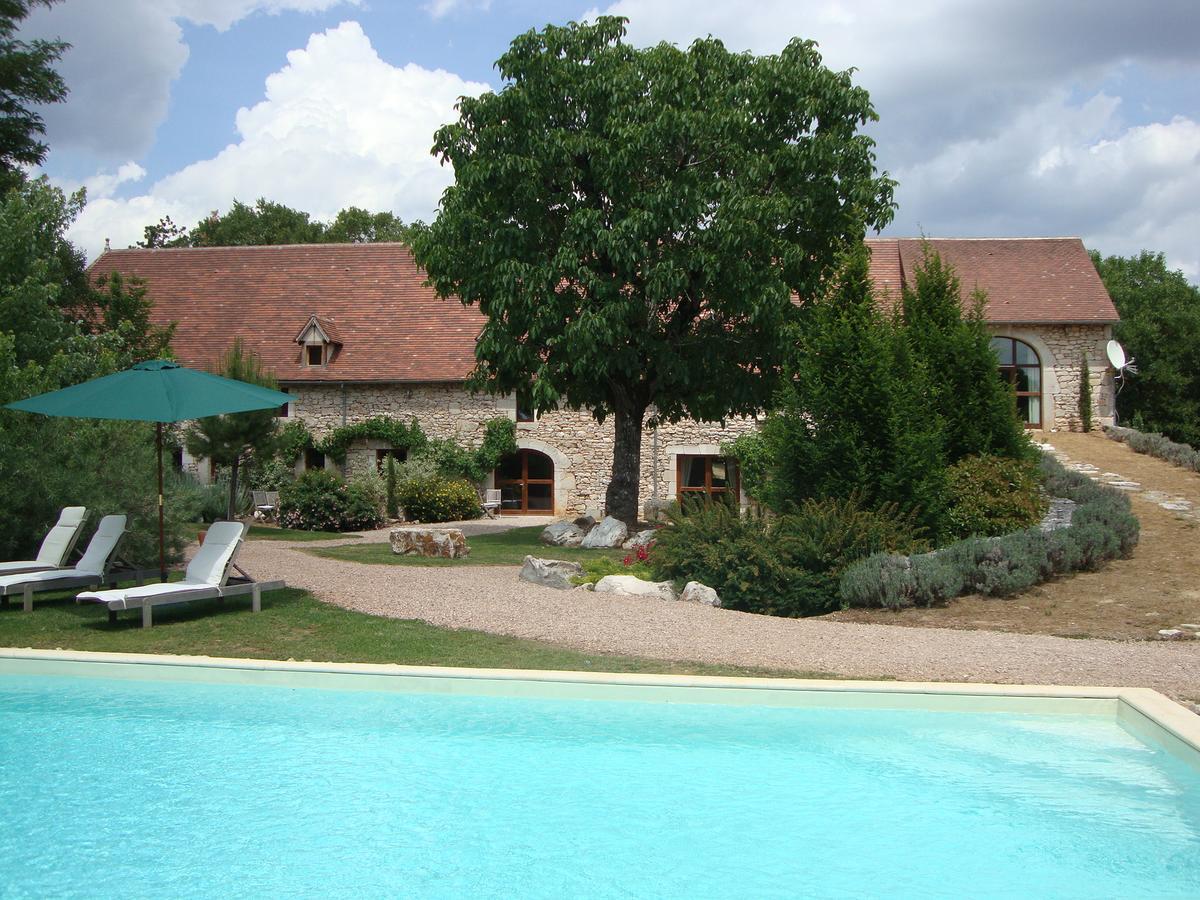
(492, 599)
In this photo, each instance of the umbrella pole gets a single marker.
(162, 558)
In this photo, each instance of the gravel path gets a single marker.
(492, 599)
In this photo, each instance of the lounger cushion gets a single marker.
(128, 598)
(211, 562)
(26, 565)
(35, 578)
(61, 538)
(96, 557)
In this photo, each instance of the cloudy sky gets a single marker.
(998, 117)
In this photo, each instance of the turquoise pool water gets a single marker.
(145, 789)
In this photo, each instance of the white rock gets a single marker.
(586, 586)
(641, 539)
(609, 532)
(695, 592)
(1171, 634)
(631, 586)
(585, 522)
(553, 573)
(562, 534)
(1190, 626)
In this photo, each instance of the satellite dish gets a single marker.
(1116, 355)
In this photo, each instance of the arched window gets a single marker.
(1020, 367)
(526, 483)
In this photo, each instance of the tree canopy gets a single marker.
(267, 223)
(55, 331)
(634, 223)
(1160, 328)
(27, 80)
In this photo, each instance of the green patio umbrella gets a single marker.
(157, 391)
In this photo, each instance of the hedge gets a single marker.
(1102, 528)
(1157, 445)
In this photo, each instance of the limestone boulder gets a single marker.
(631, 586)
(447, 543)
(655, 509)
(585, 523)
(695, 592)
(562, 534)
(552, 573)
(641, 539)
(608, 532)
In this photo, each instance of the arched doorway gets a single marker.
(526, 483)
(1020, 367)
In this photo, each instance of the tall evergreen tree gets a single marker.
(855, 417)
(954, 345)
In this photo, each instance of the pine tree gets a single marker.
(954, 345)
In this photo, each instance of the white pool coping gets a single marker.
(1146, 713)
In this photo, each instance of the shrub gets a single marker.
(392, 495)
(991, 495)
(269, 474)
(1102, 528)
(320, 501)
(1158, 446)
(788, 566)
(438, 499)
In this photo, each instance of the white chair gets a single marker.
(56, 546)
(207, 576)
(491, 503)
(91, 570)
(266, 503)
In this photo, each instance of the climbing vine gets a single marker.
(451, 457)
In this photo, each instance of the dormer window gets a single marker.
(319, 342)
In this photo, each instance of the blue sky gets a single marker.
(1016, 118)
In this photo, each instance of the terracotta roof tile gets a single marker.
(1034, 280)
(371, 299)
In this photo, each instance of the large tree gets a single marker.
(1160, 328)
(635, 222)
(27, 80)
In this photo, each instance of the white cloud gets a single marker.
(438, 9)
(124, 56)
(997, 119)
(338, 126)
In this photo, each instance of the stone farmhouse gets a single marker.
(351, 332)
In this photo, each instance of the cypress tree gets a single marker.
(1085, 394)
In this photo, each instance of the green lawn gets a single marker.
(503, 548)
(270, 533)
(294, 625)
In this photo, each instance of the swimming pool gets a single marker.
(187, 787)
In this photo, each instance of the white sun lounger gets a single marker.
(207, 576)
(56, 546)
(90, 571)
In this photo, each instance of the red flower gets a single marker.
(628, 560)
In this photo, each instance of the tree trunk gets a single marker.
(621, 498)
(233, 480)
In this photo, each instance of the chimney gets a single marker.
(107, 245)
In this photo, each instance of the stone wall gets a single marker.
(1060, 349)
(582, 449)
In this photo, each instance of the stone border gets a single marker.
(1147, 714)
